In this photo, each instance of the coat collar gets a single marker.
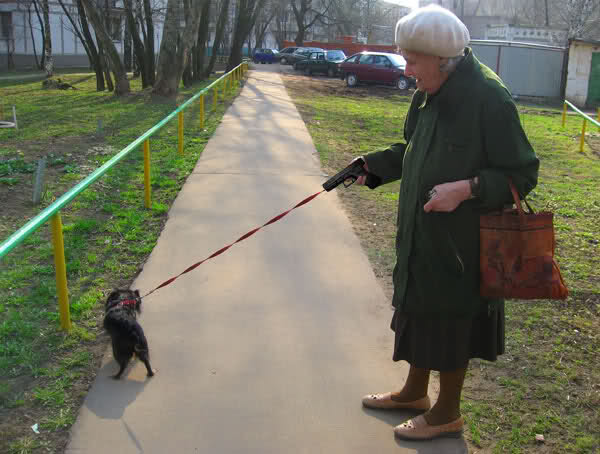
(453, 89)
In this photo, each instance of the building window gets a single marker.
(5, 25)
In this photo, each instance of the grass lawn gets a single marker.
(44, 373)
(548, 382)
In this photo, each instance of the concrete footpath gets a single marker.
(269, 347)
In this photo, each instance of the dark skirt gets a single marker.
(444, 345)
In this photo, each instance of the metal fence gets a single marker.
(528, 70)
(52, 212)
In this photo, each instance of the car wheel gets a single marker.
(283, 61)
(307, 71)
(330, 72)
(351, 80)
(295, 66)
(402, 83)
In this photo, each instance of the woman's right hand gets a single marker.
(361, 180)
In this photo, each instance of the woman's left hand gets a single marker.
(446, 197)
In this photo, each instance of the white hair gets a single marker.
(451, 63)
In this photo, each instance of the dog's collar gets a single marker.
(127, 302)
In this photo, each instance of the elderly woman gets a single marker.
(463, 141)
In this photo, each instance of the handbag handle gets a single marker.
(517, 200)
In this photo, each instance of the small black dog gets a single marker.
(120, 314)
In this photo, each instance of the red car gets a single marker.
(376, 67)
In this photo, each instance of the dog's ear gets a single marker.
(113, 295)
(138, 301)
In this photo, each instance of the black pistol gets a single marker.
(350, 174)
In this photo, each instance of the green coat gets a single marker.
(469, 128)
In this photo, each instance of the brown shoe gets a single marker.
(385, 402)
(418, 429)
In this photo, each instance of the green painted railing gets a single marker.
(586, 118)
(52, 212)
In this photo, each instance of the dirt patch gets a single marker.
(16, 188)
(322, 85)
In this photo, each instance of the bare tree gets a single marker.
(373, 14)
(138, 46)
(246, 14)
(37, 8)
(149, 43)
(104, 40)
(199, 51)
(282, 16)
(80, 29)
(219, 32)
(176, 44)
(262, 24)
(30, 23)
(306, 14)
(346, 16)
(48, 62)
(579, 16)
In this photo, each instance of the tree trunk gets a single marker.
(93, 55)
(192, 11)
(41, 21)
(248, 11)
(138, 46)
(218, 36)
(127, 49)
(201, 42)
(149, 61)
(166, 84)
(122, 84)
(105, 67)
(49, 63)
(300, 16)
(37, 62)
(235, 56)
(175, 45)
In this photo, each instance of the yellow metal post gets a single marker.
(224, 94)
(202, 112)
(147, 173)
(564, 115)
(582, 141)
(61, 272)
(180, 132)
(215, 98)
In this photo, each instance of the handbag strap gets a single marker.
(517, 199)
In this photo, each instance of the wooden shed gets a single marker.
(583, 73)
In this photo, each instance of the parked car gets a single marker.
(301, 54)
(285, 53)
(265, 56)
(376, 67)
(327, 62)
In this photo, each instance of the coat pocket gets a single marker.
(443, 249)
(456, 146)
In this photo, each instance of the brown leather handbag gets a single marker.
(517, 255)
